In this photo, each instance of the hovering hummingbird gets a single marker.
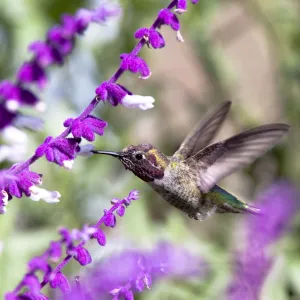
(187, 180)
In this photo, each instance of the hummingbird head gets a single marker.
(144, 160)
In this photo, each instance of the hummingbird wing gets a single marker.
(221, 159)
(204, 132)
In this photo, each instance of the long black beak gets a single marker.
(111, 153)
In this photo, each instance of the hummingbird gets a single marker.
(188, 179)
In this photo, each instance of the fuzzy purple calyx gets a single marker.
(169, 18)
(152, 36)
(32, 72)
(59, 280)
(135, 64)
(82, 255)
(87, 127)
(60, 150)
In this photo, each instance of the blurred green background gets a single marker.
(246, 51)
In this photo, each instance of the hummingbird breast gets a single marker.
(179, 188)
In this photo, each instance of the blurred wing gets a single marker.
(221, 159)
(203, 133)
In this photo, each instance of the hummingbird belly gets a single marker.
(179, 188)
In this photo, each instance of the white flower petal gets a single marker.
(12, 105)
(68, 164)
(136, 101)
(179, 36)
(13, 135)
(38, 194)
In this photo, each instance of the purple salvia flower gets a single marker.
(138, 270)
(100, 236)
(15, 96)
(45, 54)
(38, 264)
(6, 116)
(86, 128)
(32, 296)
(109, 219)
(32, 72)
(23, 182)
(279, 205)
(55, 251)
(117, 94)
(59, 280)
(32, 282)
(169, 18)
(152, 36)
(135, 64)
(121, 211)
(81, 255)
(62, 151)
(181, 5)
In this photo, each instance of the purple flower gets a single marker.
(32, 72)
(181, 5)
(135, 64)
(59, 280)
(39, 263)
(152, 36)
(86, 128)
(6, 116)
(55, 251)
(45, 54)
(117, 94)
(169, 18)
(22, 183)
(109, 219)
(100, 236)
(279, 205)
(60, 150)
(81, 255)
(15, 96)
(138, 270)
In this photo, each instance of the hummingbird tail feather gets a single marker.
(227, 203)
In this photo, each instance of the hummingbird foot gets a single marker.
(202, 216)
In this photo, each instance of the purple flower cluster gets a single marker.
(59, 43)
(137, 270)
(279, 205)
(73, 241)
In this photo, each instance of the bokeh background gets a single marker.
(245, 51)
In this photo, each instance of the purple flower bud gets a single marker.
(181, 6)
(100, 236)
(66, 236)
(57, 38)
(15, 96)
(32, 72)
(32, 296)
(32, 282)
(61, 151)
(135, 64)
(59, 280)
(24, 180)
(109, 219)
(169, 18)
(55, 251)
(102, 13)
(6, 116)
(39, 263)
(112, 92)
(121, 211)
(81, 255)
(153, 37)
(128, 295)
(45, 54)
(86, 128)
(83, 18)
(69, 26)
(133, 195)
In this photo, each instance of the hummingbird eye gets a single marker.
(139, 156)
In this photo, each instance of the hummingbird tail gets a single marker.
(227, 203)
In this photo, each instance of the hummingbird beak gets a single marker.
(111, 153)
